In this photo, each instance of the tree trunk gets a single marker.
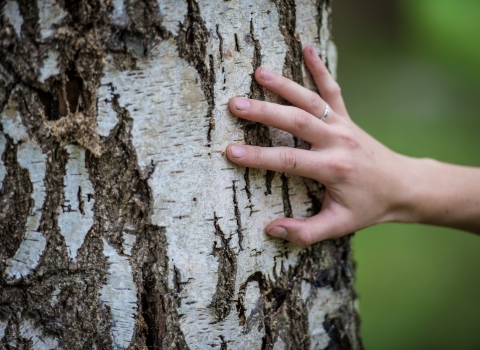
(123, 224)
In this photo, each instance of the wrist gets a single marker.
(411, 190)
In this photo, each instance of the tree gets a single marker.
(123, 223)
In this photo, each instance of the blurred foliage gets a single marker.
(449, 29)
(410, 76)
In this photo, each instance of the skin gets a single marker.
(365, 182)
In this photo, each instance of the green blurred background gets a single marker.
(410, 75)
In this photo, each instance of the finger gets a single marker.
(327, 86)
(282, 159)
(291, 119)
(298, 95)
(304, 232)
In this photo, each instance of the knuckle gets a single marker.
(316, 101)
(340, 166)
(348, 138)
(289, 160)
(303, 238)
(256, 156)
(335, 89)
(302, 119)
(263, 108)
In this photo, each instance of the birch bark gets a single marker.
(123, 225)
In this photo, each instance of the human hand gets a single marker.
(363, 178)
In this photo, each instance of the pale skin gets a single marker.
(365, 182)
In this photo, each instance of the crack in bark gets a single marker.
(220, 45)
(269, 176)
(80, 200)
(238, 216)
(246, 177)
(287, 206)
(223, 345)
(227, 271)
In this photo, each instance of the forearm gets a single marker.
(444, 194)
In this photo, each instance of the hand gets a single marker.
(364, 180)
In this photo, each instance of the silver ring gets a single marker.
(327, 112)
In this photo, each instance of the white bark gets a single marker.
(30, 157)
(120, 294)
(217, 273)
(12, 13)
(76, 216)
(50, 66)
(31, 333)
(51, 14)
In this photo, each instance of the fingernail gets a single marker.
(312, 50)
(266, 75)
(237, 151)
(241, 103)
(278, 231)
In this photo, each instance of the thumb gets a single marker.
(304, 232)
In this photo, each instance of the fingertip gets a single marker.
(235, 152)
(312, 58)
(231, 105)
(263, 75)
(258, 73)
(310, 50)
(278, 231)
(292, 230)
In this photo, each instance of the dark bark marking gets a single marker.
(13, 213)
(211, 105)
(238, 216)
(223, 345)
(256, 90)
(51, 105)
(269, 176)
(8, 81)
(161, 330)
(320, 19)
(287, 206)
(246, 177)
(240, 303)
(237, 46)
(227, 271)
(292, 67)
(220, 45)
(335, 329)
(315, 196)
(80, 200)
(247, 184)
(192, 43)
(284, 310)
(257, 134)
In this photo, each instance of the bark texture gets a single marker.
(123, 225)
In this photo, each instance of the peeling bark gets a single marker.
(123, 224)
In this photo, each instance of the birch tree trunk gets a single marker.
(123, 225)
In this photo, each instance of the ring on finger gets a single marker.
(327, 112)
